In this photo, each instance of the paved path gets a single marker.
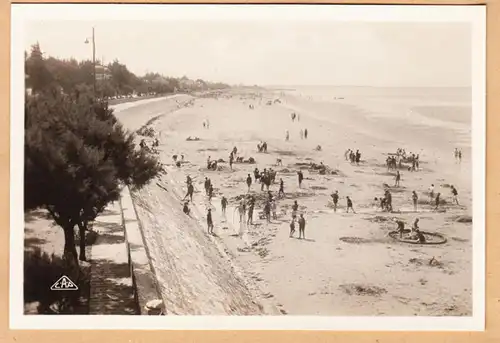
(111, 288)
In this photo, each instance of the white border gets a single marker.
(475, 15)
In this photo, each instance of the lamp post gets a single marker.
(93, 58)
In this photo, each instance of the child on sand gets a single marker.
(287, 135)
(302, 227)
(349, 205)
(454, 192)
(292, 228)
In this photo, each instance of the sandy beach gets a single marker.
(348, 260)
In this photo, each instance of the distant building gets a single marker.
(102, 73)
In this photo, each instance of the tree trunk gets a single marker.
(83, 228)
(69, 243)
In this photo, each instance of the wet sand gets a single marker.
(348, 265)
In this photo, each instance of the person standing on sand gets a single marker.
(241, 210)
(388, 200)
(349, 205)
(273, 209)
(249, 182)
(223, 204)
(431, 193)
(295, 208)
(281, 192)
(210, 223)
(302, 227)
(287, 135)
(207, 184)
(301, 134)
(437, 201)
(210, 192)
(456, 154)
(231, 160)
(267, 211)
(335, 199)
(347, 154)
(460, 156)
(292, 228)
(300, 177)
(414, 197)
(256, 174)
(454, 192)
(250, 213)
(358, 157)
(398, 178)
(305, 133)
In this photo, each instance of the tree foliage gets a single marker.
(67, 75)
(77, 156)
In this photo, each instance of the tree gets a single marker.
(76, 157)
(39, 76)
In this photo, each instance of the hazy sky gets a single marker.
(273, 53)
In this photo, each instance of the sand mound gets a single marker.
(462, 219)
(360, 289)
(354, 240)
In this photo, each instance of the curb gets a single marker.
(143, 276)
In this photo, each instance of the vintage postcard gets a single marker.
(248, 167)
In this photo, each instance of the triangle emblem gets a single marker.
(64, 284)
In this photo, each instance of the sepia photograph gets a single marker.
(286, 166)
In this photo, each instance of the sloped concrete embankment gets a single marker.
(195, 277)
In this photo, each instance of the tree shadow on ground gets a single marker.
(113, 233)
(32, 216)
(33, 242)
(112, 291)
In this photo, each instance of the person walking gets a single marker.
(302, 227)
(349, 205)
(190, 191)
(305, 133)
